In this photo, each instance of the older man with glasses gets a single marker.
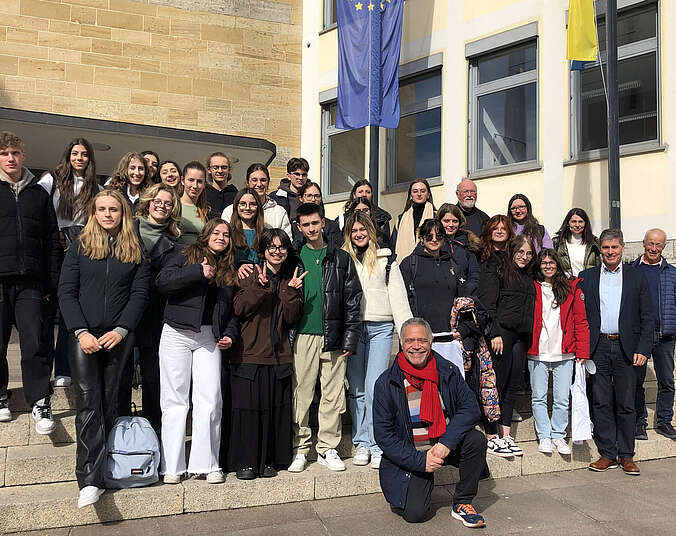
(467, 195)
(424, 416)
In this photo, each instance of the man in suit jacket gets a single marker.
(619, 313)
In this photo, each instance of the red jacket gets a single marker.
(573, 323)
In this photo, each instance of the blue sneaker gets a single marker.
(467, 514)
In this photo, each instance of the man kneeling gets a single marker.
(423, 417)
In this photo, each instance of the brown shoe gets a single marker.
(603, 464)
(629, 467)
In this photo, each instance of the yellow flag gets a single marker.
(582, 42)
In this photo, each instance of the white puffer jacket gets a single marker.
(380, 302)
(274, 216)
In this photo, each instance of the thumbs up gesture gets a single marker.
(208, 270)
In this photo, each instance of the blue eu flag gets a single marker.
(369, 44)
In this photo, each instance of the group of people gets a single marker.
(245, 306)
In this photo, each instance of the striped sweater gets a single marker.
(421, 438)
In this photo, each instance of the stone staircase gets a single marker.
(38, 488)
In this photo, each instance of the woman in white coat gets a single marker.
(384, 305)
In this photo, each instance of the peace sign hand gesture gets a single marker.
(297, 281)
(262, 275)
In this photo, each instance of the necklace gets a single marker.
(316, 256)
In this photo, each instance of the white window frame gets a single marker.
(624, 52)
(329, 18)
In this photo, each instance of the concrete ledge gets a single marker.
(3, 453)
(39, 464)
(55, 505)
(533, 461)
(15, 432)
(353, 481)
(64, 432)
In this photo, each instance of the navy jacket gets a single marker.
(636, 320)
(393, 431)
(667, 297)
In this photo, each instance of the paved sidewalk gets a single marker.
(557, 504)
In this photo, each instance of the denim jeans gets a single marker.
(363, 369)
(539, 381)
(663, 361)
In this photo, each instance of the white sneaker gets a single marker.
(545, 445)
(516, 450)
(171, 479)
(5, 414)
(375, 459)
(298, 464)
(561, 446)
(62, 381)
(516, 416)
(216, 477)
(42, 415)
(362, 456)
(89, 495)
(498, 447)
(331, 460)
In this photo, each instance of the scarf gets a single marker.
(426, 380)
(150, 232)
(406, 231)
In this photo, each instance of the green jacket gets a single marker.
(592, 254)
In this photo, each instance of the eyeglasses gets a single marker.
(548, 263)
(467, 192)
(518, 208)
(419, 341)
(313, 197)
(242, 204)
(524, 254)
(276, 249)
(217, 168)
(166, 204)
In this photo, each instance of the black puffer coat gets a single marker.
(186, 288)
(100, 295)
(341, 304)
(509, 307)
(29, 235)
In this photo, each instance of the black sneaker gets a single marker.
(640, 432)
(42, 415)
(667, 430)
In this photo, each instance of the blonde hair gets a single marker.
(120, 178)
(9, 139)
(174, 216)
(95, 240)
(370, 259)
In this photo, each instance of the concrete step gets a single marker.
(39, 464)
(62, 399)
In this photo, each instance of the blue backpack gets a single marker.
(133, 454)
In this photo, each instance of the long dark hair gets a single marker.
(560, 282)
(237, 230)
(71, 206)
(409, 201)
(531, 226)
(487, 234)
(291, 262)
(564, 232)
(224, 263)
(510, 272)
(353, 192)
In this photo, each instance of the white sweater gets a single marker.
(551, 336)
(274, 216)
(576, 252)
(47, 182)
(380, 302)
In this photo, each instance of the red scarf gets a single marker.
(426, 380)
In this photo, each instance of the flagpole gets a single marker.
(374, 153)
(613, 116)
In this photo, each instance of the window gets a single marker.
(330, 14)
(637, 81)
(343, 154)
(503, 107)
(414, 148)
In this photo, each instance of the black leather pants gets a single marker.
(96, 379)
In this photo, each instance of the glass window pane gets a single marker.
(632, 26)
(419, 89)
(507, 63)
(347, 160)
(418, 140)
(638, 103)
(507, 126)
(333, 113)
(334, 12)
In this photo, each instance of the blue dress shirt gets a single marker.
(610, 294)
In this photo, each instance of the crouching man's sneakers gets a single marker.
(629, 467)
(467, 514)
(603, 464)
(42, 415)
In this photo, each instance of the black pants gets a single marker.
(149, 360)
(613, 401)
(22, 304)
(96, 378)
(469, 457)
(509, 371)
